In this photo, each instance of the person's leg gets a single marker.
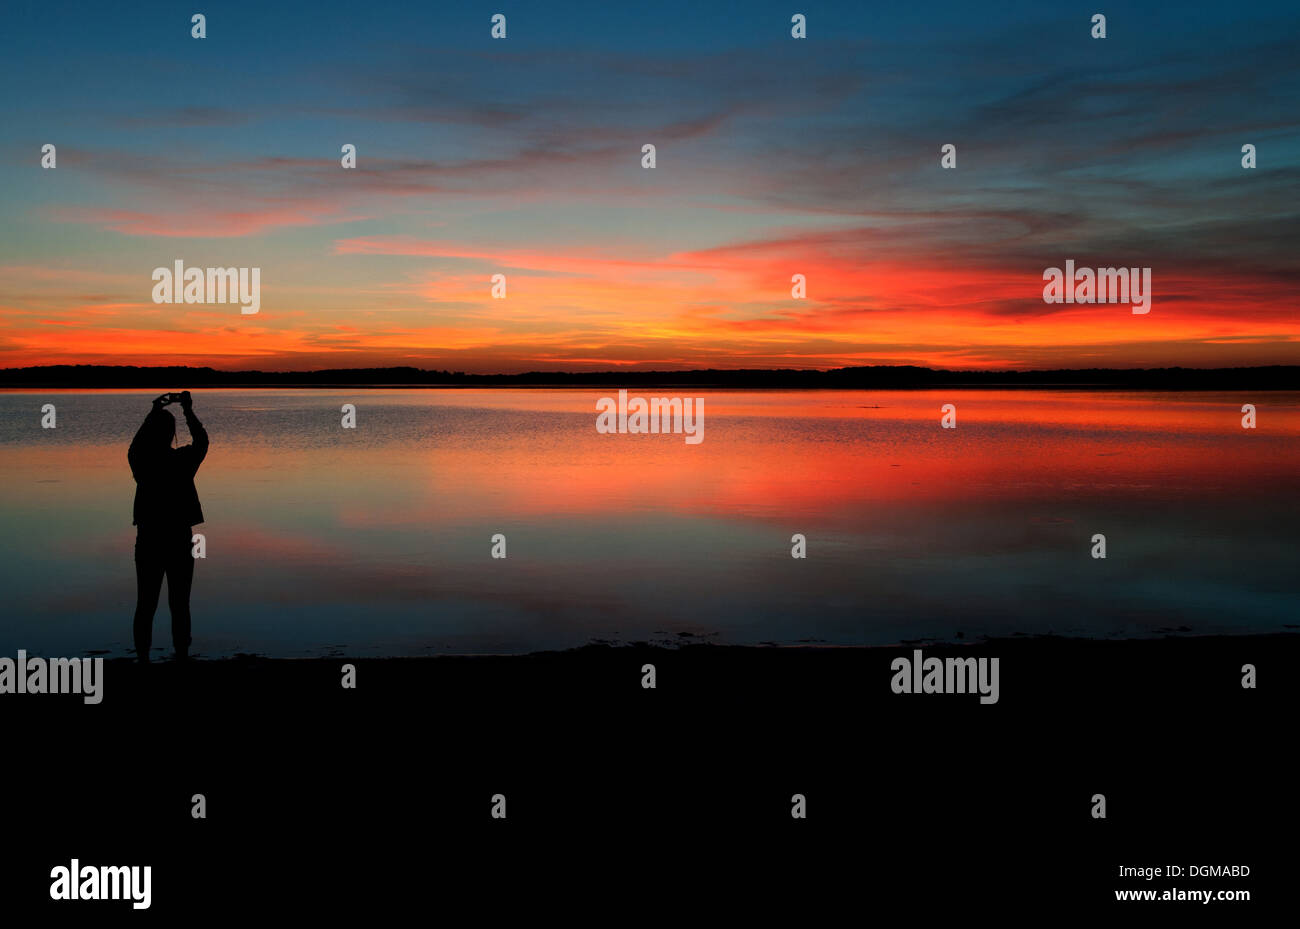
(180, 577)
(148, 584)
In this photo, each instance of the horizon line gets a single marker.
(1257, 377)
(617, 371)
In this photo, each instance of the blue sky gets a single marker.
(522, 156)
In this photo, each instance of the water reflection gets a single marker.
(377, 539)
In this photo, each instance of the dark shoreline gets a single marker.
(880, 377)
(318, 796)
(1038, 672)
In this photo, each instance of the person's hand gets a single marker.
(186, 400)
(160, 401)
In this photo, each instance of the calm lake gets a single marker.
(377, 540)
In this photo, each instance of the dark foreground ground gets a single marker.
(674, 803)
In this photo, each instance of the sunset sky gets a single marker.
(775, 156)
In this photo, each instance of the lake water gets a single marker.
(377, 541)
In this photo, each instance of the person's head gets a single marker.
(161, 429)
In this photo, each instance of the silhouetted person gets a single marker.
(166, 511)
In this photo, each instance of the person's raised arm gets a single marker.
(197, 432)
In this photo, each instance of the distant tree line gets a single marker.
(1274, 377)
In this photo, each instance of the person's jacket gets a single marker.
(164, 482)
